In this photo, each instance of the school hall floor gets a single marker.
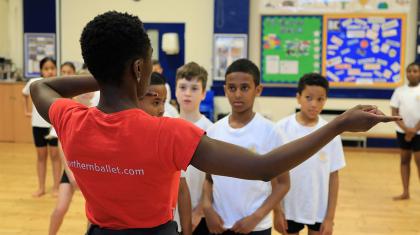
(365, 206)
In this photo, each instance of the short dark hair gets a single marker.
(191, 71)
(45, 60)
(245, 66)
(312, 79)
(110, 42)
(157, 79)
(70, 64)
(414, 64)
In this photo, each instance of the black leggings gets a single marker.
(170, 228)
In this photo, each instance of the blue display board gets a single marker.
(364, 51)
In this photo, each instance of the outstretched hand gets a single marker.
(362, 118)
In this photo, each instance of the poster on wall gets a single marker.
(364, 50)
(37, 46)
(291, 47)
(336, 5)
(227, 49)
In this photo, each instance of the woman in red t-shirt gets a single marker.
(127, 163)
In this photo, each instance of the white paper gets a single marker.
(332, 47)
(371, 66)
(356, 34)
(334, 61)
(336, 40)
(385, 48)
(372, 34)
(332, 76)
(393, 43)
(272, 65)
(392, 53)
(382, 62)
(349, 60)
(375, 49)
(395, 67)
(289, 67)
(389, 33)
(389, 25)
(353, 72)
(345, 51)
(387, 73)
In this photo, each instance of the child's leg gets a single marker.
(405, 174)
(312, 232)
(314, 229)
(417, 158)
(65, 194)
(41, 170)
(56, 166)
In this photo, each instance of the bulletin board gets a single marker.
(37, 46)
(291, 47)
(364, 50)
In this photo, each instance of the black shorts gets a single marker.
(64, 178)
(169, 228)
(263, 232)
(294, 227)
(413, 145)
(40, 134)
(201, 228)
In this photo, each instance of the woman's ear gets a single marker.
(137, 65)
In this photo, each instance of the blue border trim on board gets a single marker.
(381, 143)
(231, 16)
(39, 16)
(341, 93)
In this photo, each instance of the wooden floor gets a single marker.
(365, 206)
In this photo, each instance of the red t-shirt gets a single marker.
(127, 164)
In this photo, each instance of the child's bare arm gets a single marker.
(327, 225)
(213, 220)
(220, 158)
(26, 106)
(280, 186)
(184, 207)
(400, 123)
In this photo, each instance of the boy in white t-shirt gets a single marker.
(237, 206)
(191, 80)
(406, 102)
(312, 198)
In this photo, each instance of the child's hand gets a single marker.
(326, 227)
(408, 137)
(246, 224)
(196, 217)
(362, 118)
(409, 134)
(214, 221)
(280, 223)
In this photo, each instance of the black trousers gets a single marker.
(170, 228)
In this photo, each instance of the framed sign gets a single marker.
(36, 47)
(227, 49)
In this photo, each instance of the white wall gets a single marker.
(197, 16)
(276, 108)
(4, 28)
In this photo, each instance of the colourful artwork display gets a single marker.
(291, 47)
(362, 50)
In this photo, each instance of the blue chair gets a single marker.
(207, 105)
